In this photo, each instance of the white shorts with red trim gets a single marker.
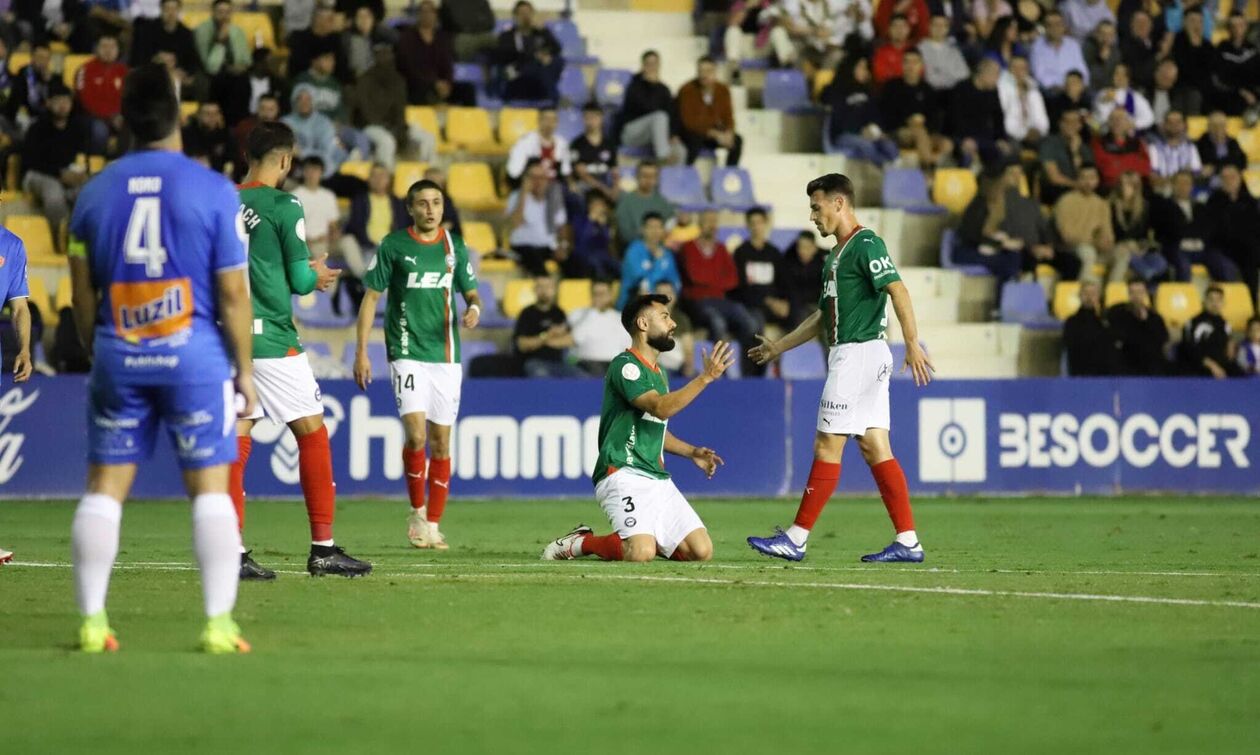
(429, 388)
(855, 396)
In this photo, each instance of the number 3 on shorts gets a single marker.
(629, 502)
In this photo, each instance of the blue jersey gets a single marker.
(156, 229)
(12, 268)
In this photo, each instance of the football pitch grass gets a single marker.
(1036, 626)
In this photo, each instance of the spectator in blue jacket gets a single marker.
(315, 132)
(592, 241)
(647, 261)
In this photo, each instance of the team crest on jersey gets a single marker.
(630, 371)
(1, 260)
(450, 262)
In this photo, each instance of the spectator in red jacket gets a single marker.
(886, 62)
(916, 13)
(709, 275)
(1120, 150)
(98, 88)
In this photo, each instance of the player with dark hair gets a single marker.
(161, 297)
(280, 266)
(649, 515)
(858, 280)
(420, 269)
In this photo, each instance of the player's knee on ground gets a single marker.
(697, 547)
(639, 548)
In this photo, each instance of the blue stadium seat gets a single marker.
(784, 238)
(572, 86)
(315, 310)
(948, 241)
(319, 348)
(572, 46)
(378, 356)
(786, 89)
(472, 73)
(491, 315)
(570, 123)
(610, 86)
(732, 189)
(907, 189)
(805, 362)
(1025, 303)
(732, 236)
(681, 185)
(470, 350)
(735, 371)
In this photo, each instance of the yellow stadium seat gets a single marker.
(821, 80)
(469, 128)
(257, 28)
(426, 118)
(1067, 299)
(96, 163)
(1249, 140)
(18, 60)
(518, 295)
(471, 187)
(1177, 303)
(188, 110)
(1117, 293)
(1196, 126)
(479, 235)
(1239, 308)
(65, 294)
(953, 188)
(70, 66)
(405, 174)
(495, 265)
(1234, 126)
(38, 291)
(194, 18)
(574, 294)
(36, 234)
(357, 168)
(514, 123)
(1252, 178)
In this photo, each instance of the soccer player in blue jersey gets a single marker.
(161, 298)
(13, 291)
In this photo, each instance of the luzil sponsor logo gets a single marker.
(170, 304)
(1043, 440)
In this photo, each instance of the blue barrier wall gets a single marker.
(537, 439)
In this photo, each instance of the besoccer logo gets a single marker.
(952, 442)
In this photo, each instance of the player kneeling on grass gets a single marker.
(420, 269)
(648, 513)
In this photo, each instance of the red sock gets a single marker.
(236, 478)
(677, 555)
(607, 547)
(316, 474)
(413, 466)
(439, 488)
(823, 478)
(896, 494)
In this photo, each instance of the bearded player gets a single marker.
(420, 269)
(649, 515)
(280, 266)
(858, 280)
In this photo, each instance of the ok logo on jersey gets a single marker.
(429, 280)
(881, 267)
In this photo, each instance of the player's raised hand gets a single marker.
(716, 363)
(325, 276)
(764, 352)
(362, 370)
(246, 396)
(918, 363)
(708, 461)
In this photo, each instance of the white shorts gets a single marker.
(286, 389)
(639, 505)
(427, 387)
(855, 396)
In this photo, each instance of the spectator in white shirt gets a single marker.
(1023, 109)
(1121, 94)
(1056, 54)
(551, 149)
(945, 65)
(985, 13)
(814, 30)
(323, 219)
(598, 336)
(537, 218)
(1083, 15)
(1172, 152)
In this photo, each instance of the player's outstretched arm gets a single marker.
(362, 330)
(83, 301)
(916, 358)
(236, 320)
(705, 458)
(767, 351)
(664, 407)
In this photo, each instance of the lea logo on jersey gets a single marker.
(429, 280)
(151, 309)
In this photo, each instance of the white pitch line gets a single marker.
(845, 586)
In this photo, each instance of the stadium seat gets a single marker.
(470, 350)
(570, 124)
(786, 89)
(469, 128)
(732, 236)
(424, 117)
(515, 123)
(1238, 305)
(479, 235)
(785, 238)
(1177, 303)
(907, 189)
(64, 295)
(315, 310)
(497, 265)
(378, 357)
(1025, 304)
(518, 295)
(36, 234)
(948, 241)
(572, 86)
(610, 86)
(574, 294)
(188, 110)
(572, 46)
(18, 60)
(732, 189)
(1067, 298)
(1117, 292)
(1251, 177)
(953, 188)
(805, 362)
(471, 73)
(1249, 141)
(406, 173)
(1234, 126)
(257, 27)
(357, 168)
(471, 187)
(491, 315)
(822, 80)
(70, 66)
(1196, 126)
(681, 185)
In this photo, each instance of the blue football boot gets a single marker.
(897, 553)
(778, 546)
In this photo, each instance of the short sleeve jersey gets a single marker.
(420, 280)
(156, 228)
(12, 268)
(630, 438)
(277, 237)
(854, 297)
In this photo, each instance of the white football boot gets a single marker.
(564, 548)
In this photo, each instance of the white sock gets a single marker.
(908, 538)
(797, 534)
(217, 543)
(322, 543)
(94, 539)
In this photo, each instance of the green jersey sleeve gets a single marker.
(465, 276)
(380, 268)
(290, 223)
(629, 379)
(879, 264)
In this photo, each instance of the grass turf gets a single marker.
(485, 649)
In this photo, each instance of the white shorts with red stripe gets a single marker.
(429, 388)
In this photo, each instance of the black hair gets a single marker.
(420, 186)
(519, 4)
(1075, 73)
(651, 216)
(649, 163)
(595, 195)
(1255, 320)
(314, 161)
(217, 3)
(901, 16)
(706, 59)
(1213, 289)
(149, 106)
(58, 88)
(748, 214)
(649, 54)
(592, 107)
(832, 183)
(1192, 11)
(806, 235)
(267, 138)
(531, 162)
(635, 307)
(912, 51)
